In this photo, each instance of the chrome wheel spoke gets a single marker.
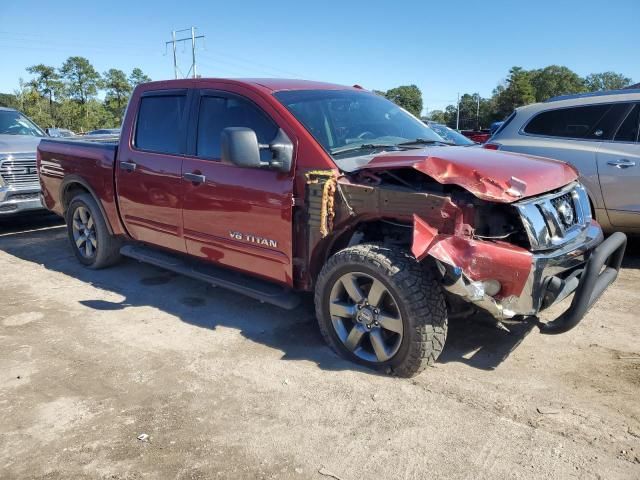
(77, 225)
(342, 309)
(355, 337)
(376, 292)
(92, 239)
(90, 223)
(350, 282)
(88, 249)
(391, 323)
(377, 342)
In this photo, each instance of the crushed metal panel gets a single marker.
(478, 259)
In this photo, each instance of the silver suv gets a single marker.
(598, 134)
(19, 184)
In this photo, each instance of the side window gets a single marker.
(593, 121)
(218, 113)
(158, 128)
(628, 131)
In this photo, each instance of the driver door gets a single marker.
(237, 217)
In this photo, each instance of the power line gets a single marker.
(193, 69)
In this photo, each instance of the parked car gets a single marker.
(104, 131)
(478, 136)
(273, 187)
(495, 126)
(598, 134)
(449, 134)
(59, 132)
(19, 185)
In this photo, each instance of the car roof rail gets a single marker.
(593, 94)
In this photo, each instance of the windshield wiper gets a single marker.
(422, 141)
(365, 146)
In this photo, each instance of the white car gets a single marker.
(598, 133)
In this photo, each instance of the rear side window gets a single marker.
(628, 131)
(218, 113)
(159, 125)
(598, 122)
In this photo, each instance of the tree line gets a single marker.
(523, 87)
(68, 96)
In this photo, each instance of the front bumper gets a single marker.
(587, 265)
(14, 201)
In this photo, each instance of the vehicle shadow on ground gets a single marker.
(475, 341)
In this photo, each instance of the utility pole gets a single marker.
(193, 70)
(458, 113)
(478, 112)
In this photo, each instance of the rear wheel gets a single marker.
(379, 307)
(90, 239)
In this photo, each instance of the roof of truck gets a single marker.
(269, 84)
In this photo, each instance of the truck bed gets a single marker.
(83, 162)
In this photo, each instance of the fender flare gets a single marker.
(72, 179)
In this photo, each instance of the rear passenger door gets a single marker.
(237, 217)
(619, 171)
(149, 170)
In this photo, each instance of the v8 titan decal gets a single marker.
(250, 238)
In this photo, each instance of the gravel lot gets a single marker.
(226, 387)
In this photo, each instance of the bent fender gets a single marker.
(478, 259)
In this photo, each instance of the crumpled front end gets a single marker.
(508, 280)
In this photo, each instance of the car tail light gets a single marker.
(491, 146)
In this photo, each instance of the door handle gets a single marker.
(195, 178)
(128, 166)
(622, 163)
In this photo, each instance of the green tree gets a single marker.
(117, 89)
(8, 100)
(554, 80)
(81, 79)
(408, 97)
(46, 82)
(437, 116)
(137, 77)
(516, 91)
(606, 81)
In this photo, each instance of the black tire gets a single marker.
(106, 251)
(415, 293)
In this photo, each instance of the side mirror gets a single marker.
(240, 146)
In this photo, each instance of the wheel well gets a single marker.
(70, 191)
(380, 231)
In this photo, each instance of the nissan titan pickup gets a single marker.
(274, 187)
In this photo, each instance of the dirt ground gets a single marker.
(226, 387)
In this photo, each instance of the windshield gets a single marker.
(14, 123)
(351, 123)
(450, 134)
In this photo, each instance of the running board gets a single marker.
(257, 289)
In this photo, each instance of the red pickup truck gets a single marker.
(276, 187)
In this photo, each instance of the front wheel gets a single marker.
(90, 239)
(379, 307)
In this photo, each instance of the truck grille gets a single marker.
(556, 218)
(19, 170)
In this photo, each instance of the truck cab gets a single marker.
(275, 187)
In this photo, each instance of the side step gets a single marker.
(261, 290)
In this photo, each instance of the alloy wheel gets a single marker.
(84, 232)
(366, 317)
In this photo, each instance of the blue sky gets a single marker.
(443, 47)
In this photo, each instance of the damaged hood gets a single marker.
(488, 174)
